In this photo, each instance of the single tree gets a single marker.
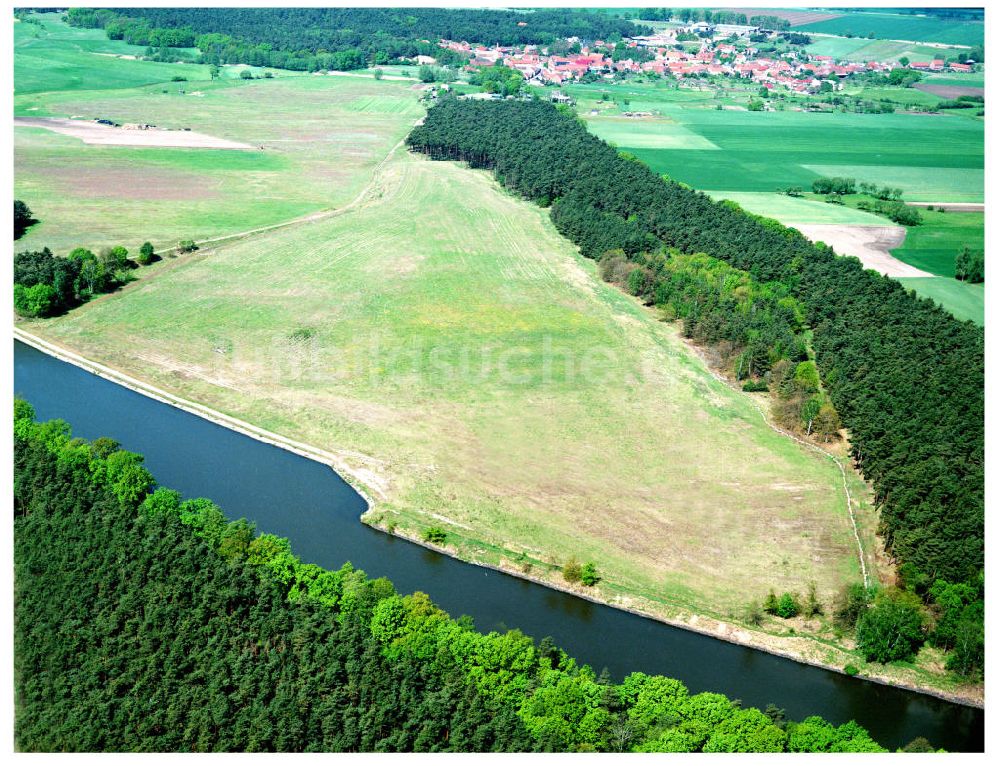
(22, 218)
(146, 254)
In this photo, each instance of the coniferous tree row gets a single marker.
(906, 377)
(146, 623)
(341, 38)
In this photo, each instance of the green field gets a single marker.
(50, 55)
(935, 158)
(454, 348)
(795, 210)
(932, 246)
(315, 133)
(861, 49)
(962, 300)
(895, 26)
(904, 96)
(969, 80)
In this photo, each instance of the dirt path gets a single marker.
(869, 244)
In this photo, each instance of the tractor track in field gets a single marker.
(319, 215)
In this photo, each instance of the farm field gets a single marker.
(963, 300)
(799, 210)
(933, 158)
(932, 246)
(314, 142)
(895, 26)
(863, 49)
(480, 378)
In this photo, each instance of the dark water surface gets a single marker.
(308, 503)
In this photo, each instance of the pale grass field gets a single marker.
(350, 333)
(313, 144)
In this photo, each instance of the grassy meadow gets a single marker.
(50, 55)
(446, 340)
(317, 137)
(863, 49)
(896, 26)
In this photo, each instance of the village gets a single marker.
(726, 50)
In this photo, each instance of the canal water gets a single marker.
(308, 503)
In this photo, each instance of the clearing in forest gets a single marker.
(456, 351)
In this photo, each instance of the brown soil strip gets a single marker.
(949, 91)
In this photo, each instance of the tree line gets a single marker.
(905, 377)
(144, 621)
(314, 39)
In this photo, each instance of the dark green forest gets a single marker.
(904, 376)
(312, 39)
(144, 622)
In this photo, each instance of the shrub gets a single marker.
(572, 572)
(34, 301)
(851, 670)
(813, 607)
(435, 535)
(588, 575)
(186, 246)
(771, 603)
(146, 254)
(754, 614)
(755, 385)
(788, 606)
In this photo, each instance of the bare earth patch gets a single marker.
(949, 91)
(108, 135)
(869, 244)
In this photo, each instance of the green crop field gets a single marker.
(932, 246)
(904, 96)
(317, 137)
(861, 49)
(795, 210)
(967, 80)
(934, 158)
(458, 352)
(962, 300)
(895, 26)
